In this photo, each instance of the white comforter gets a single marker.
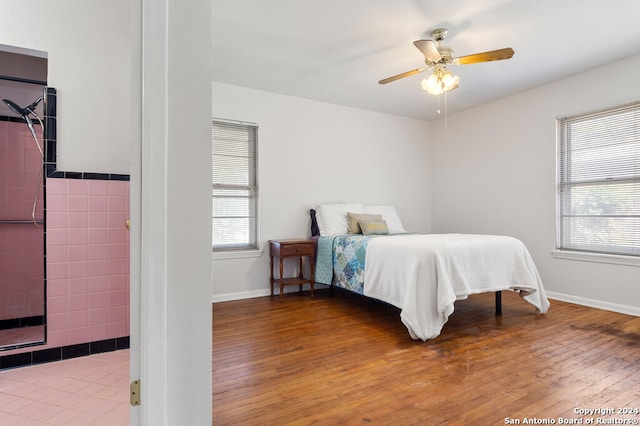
(424, 275)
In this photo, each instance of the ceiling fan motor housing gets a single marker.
(446, 56)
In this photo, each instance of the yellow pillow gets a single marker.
(374, 227)
(354, 218)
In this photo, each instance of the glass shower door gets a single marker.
(22, 238)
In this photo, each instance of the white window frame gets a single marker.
(598, 182)
(250, 247)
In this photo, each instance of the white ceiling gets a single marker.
(336, 50)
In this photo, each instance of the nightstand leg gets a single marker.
(271, 280)
(300, 275)
(312, 277)
(281, 282)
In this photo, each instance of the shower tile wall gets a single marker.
(87, 260)
(21, 247)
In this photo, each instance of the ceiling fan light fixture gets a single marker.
(442, 80)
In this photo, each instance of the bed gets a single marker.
(366, 250)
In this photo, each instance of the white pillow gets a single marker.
(389, 215)
(332, 218)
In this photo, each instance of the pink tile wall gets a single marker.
(87, 261)
(20, 163)
(21, 245)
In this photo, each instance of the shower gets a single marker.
(27, 159)
(25, 114)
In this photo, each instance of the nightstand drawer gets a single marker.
(297, 250)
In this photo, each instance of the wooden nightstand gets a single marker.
(293, 248)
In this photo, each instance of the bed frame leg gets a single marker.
(498, 303)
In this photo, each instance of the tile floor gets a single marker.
(91, 390)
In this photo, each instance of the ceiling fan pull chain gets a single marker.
(446, 124)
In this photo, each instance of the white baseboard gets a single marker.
(592, 303)
(240, 295)
(226, 297)
(583, 301)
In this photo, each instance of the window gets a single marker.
(599, 181)
(234, 185)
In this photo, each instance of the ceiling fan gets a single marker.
(437, 57)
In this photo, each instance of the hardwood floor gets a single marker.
(347, 359)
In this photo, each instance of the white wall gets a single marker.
(311, 152)
(497, 176)
(89, 57)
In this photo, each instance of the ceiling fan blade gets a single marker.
(403, 75)
(492, 55)
(428, 49)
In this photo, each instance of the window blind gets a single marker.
(234, 185)
(599, 181)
